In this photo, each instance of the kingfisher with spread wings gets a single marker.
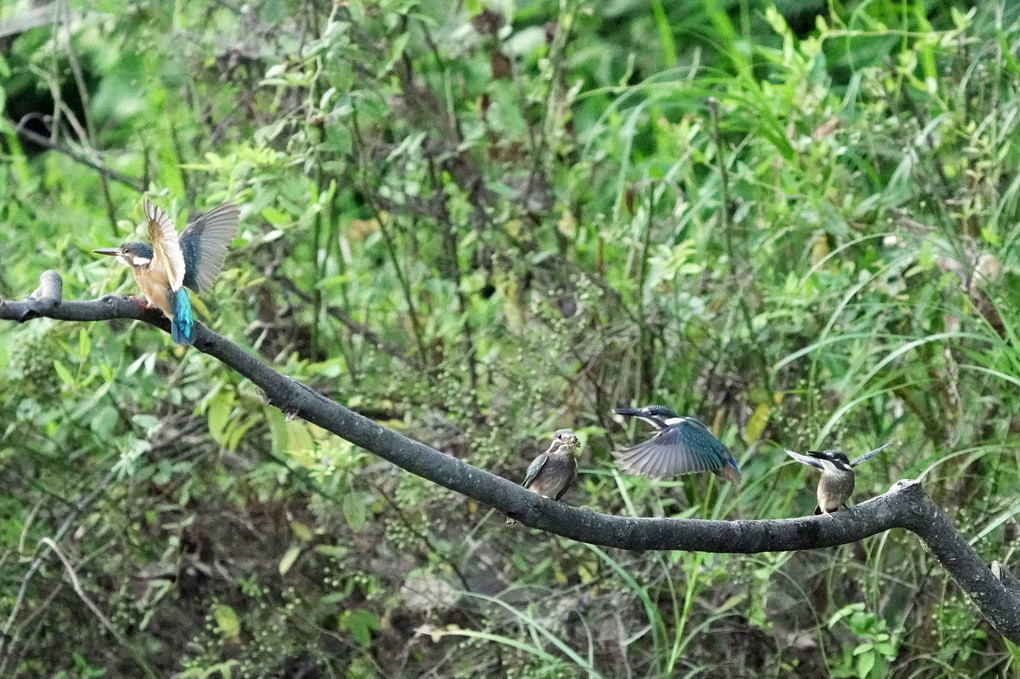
(171, 263)
(679, 445)
(836, 484)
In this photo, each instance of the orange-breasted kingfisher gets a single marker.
(836, 484)
(164, 268)
(679, 445)
(552, 472)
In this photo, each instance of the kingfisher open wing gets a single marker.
(204, 244)
(869, 454)
(165, 247)
(804, 459)
(682, 448)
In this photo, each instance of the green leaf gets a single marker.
(137, 364)
(331, 599)
(164, 472)
(83, 343)
(236, 432)
(226, 621)
(103, 421)
(990, 236)
(887, 650)
(275, 217)
(339, 137)
(301, 530)
(147, 422)
(289, 558)
(64, 374)
(361, 623)
(204, 672)
(338, 552)
(277, 427)
(354, 511)
(865, 663)
(218, 415)
(756, 425)
(299, 439)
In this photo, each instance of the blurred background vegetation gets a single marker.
(477, 223)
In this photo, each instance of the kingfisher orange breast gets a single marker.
(155, 285)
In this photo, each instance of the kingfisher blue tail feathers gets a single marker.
(182, 325)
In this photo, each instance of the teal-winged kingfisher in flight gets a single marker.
(679, 445)
(171, 263)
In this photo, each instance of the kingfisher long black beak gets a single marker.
(819, 454)
(113, 252)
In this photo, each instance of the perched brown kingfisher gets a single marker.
(165, 267)
(836, 484)
(552, 472)
(679, 445)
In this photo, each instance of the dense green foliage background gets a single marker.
(478, 223)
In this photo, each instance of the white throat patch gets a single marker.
(832, 466)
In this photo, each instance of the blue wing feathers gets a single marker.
(683, 448)
(191, 263)
(204, 244)
(184, 321)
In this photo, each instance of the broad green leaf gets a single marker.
(360, 623)
(64, 374)
(147, 422)
(83, 343)
(289, 558)
(354, 511)
(301, 531)
(756, 425)
(218, 414)
(103, 421)
(299, 439)
(865, 662)
(227, 621)
(336, 551)
(278, 427)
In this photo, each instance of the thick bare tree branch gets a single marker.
(905, 506)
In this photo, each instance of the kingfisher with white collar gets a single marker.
(679, 445)
(171, 263)
(836, 484)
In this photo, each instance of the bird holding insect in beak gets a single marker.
(679, 445)
(171, 263)
(836, 484)
(552, 472)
